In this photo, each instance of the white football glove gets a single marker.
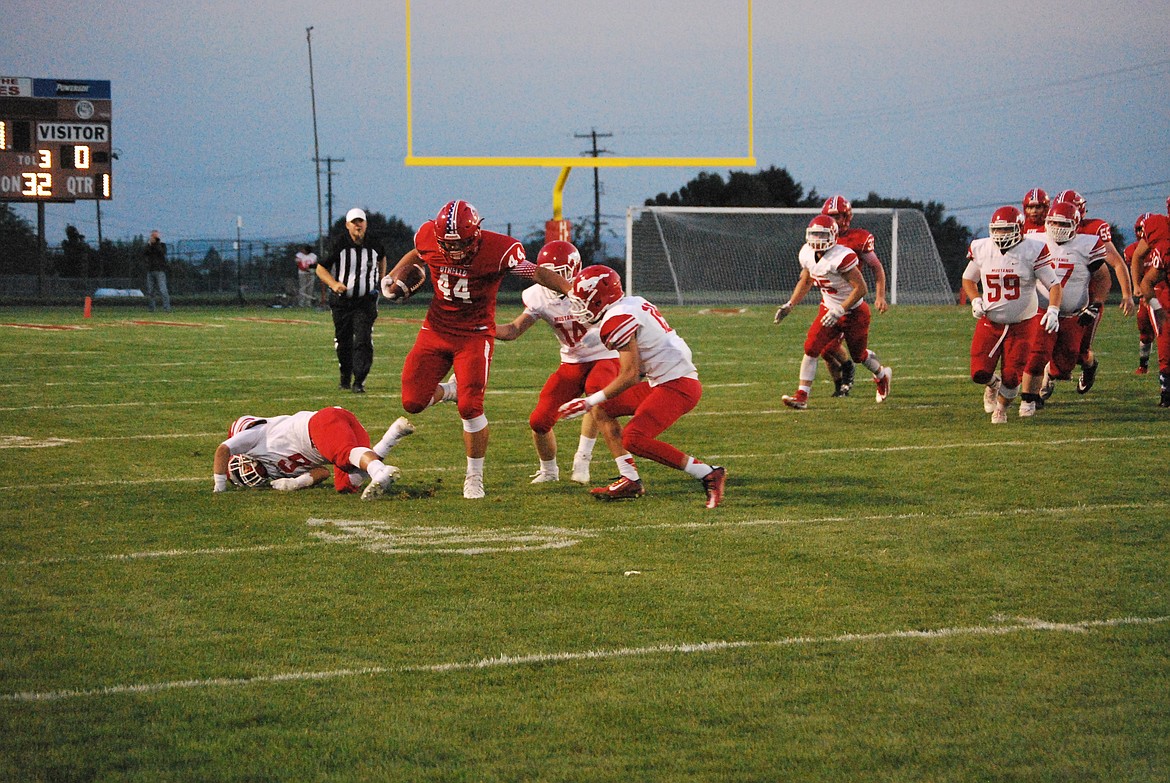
(977, 310)
(1051, 320)
(835, 313)
(393, 289)
(574, 409)
(220, 482)
(782, 312)
(285, 484)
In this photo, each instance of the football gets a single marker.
(402, 286)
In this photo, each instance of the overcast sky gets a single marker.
(965, 103)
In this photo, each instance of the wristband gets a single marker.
(596, 398)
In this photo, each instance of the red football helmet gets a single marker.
(821, 233)
(1062, 221)
(1036, 196)
(839, 207)
(594, 289)
(1006, 227)
(243, 423)
(562, 256)
(1139, 225)
(246, 471)
(1074, 198)
(457, 231)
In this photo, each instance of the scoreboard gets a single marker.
(55, 140)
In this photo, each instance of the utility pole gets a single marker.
(594, 135)
(329, 183)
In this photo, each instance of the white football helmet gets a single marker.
(246, 471)
(245, 422)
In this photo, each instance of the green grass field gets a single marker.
(895, 592)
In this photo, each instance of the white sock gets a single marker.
(549, 466)
(585, 448)
(475, 465)
(626, 467)
(697, 469)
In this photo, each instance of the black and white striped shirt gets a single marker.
(356, 266)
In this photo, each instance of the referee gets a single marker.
(352, 272)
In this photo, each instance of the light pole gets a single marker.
(316, 145)
(239, 258)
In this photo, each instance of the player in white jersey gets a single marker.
(586, 366)
(1000, 282)
(647, 347)
(834, 269)
(292, 452)
(1073, 256)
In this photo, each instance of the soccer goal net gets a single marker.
(714, 255)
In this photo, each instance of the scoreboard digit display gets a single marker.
(54, 139)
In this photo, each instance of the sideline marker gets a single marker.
(88, 313)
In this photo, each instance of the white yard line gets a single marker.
(1006, 626)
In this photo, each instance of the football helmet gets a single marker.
(245, 422)
(562, 256)
(457, 231)
(821, 233)
(1062, 221)
(1139, 225)
(594, 289)
(1006, 227)
(245, 471)
(1037, 197)
(1074, 198)
(839, 207)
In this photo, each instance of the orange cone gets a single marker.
(88, 307)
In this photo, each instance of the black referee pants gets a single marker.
(353, 334)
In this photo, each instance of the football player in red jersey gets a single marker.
(1153, 254)
(1147, 329)
(1035, 207)
(860, 242)
(648, 347)
(465, 264)
(1099, 285)
(586, 366)
(293, 452)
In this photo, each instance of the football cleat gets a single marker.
(842, 389)
(473, 486)
(989, 395)
(1088, 378)
(621, 489)
(713, 485)
(1165, 401)
(377, 489)
(545, 476)
(1142, 370)
(999, 415)
(450, 390)
(1048, 386)
(580, 470)
(882, 379)
(799, 401)
(1027, 409)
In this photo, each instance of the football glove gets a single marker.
(574, 409)
(394, 289)
(782, 312)
(1051, 320)
(1089, 315)
(835, 313)
(977, 310)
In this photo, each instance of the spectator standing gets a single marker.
(156, 271)
(352, 271)
(306, 276)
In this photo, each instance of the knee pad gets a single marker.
(476, 424)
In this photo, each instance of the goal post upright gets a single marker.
(566, 163)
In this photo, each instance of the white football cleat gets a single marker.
(473, 486)
(999, 415)
(544, 476)
(400, 428)
(450, 390)
(1027, 409)
(378, 486)
(989, 394)
(581, 470)
(882, 379)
